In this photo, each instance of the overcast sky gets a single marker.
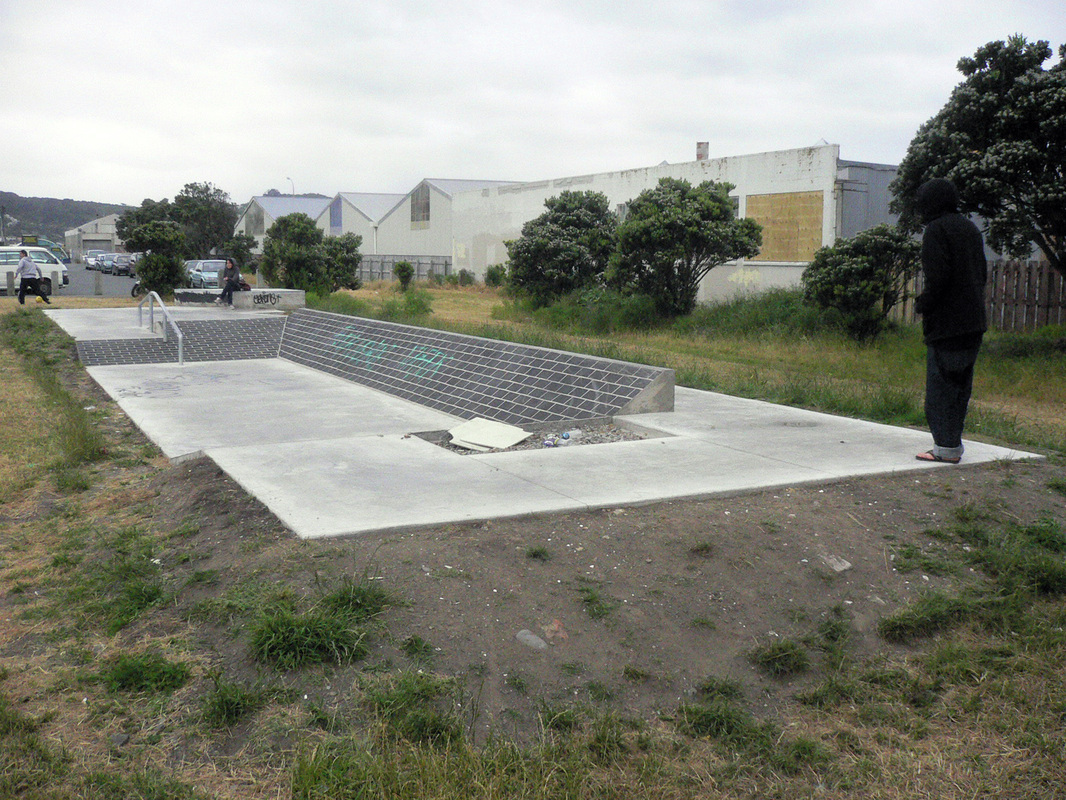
(124, 100)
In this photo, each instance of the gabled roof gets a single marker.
(450, 187)
(373, 205)
(283, 205)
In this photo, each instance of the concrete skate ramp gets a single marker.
(469, 376)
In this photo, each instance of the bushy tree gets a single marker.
(564, 249)
(239, 248)
(203, 211)
(673, 235)
(164, 241)
(298, 255)
(1001, 138)
(404, 272)
(342, 260)
(863, 278)
(207, 216)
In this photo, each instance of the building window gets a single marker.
(420, 207)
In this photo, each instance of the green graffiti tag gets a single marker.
(413, 363)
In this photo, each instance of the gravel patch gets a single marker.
(577, 435)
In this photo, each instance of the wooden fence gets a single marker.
(1019, 296)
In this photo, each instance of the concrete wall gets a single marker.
(864, 196)
(793, 191)
(351, 220)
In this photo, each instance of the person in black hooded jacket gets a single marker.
(952, 305)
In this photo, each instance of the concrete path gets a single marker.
(333, 458)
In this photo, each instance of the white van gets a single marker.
(52, 269)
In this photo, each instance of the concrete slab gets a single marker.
(188, 410)
(331, 457)
(122, 323)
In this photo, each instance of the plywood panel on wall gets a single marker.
(791, 224)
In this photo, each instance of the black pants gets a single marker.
(227, 292)
(948, 383)
(31, 286)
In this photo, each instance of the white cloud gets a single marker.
(129, 99)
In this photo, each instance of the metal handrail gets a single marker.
(152, 298)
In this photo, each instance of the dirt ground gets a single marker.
(622, 608)
(630, 607)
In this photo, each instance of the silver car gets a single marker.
(205, 274)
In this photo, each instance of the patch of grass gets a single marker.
(635, 674)
(599, 692)
(538, 553)
(703, 549)
(518, 682)
(911, 557)
(704, 622)
(564, 719)
(712, 688)
(780, 658)
(1057, 486)
(116, 579)
(290, 639)
(143, 672)
(358, 600)
(417, 707)
(831, 693)
(598, 605)
(417, 649)
(932, 613)
(228, 702)
(572, 668)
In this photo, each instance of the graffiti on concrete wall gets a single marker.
(412, 362)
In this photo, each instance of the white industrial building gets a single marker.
(99, 234)
(804, 199)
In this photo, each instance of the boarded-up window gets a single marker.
(791, 224)
(420, 207)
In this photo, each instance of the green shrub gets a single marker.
(404, 272)
(466, 277)
(863, 278)
(496, 275)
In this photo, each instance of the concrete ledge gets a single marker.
(255, 299)
(273, 299)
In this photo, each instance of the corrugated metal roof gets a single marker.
(373, 204)
(283, 205)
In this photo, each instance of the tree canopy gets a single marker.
(673, 235)
(564, 249)
(203, 211)
(298, 255)
(1001, 138)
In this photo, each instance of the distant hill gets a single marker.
(49, 217)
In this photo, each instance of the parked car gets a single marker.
(106, 262)
(122, 265)
(205, 274)
(47, 262)
(90, 258)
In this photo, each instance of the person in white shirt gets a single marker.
(29, 279)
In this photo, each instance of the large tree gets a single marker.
(203, 211)
(207, 215)
(673, 235)
(564, 249)
(1001, 138)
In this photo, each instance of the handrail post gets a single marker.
(152, 298)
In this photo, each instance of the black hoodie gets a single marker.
(952, 302)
